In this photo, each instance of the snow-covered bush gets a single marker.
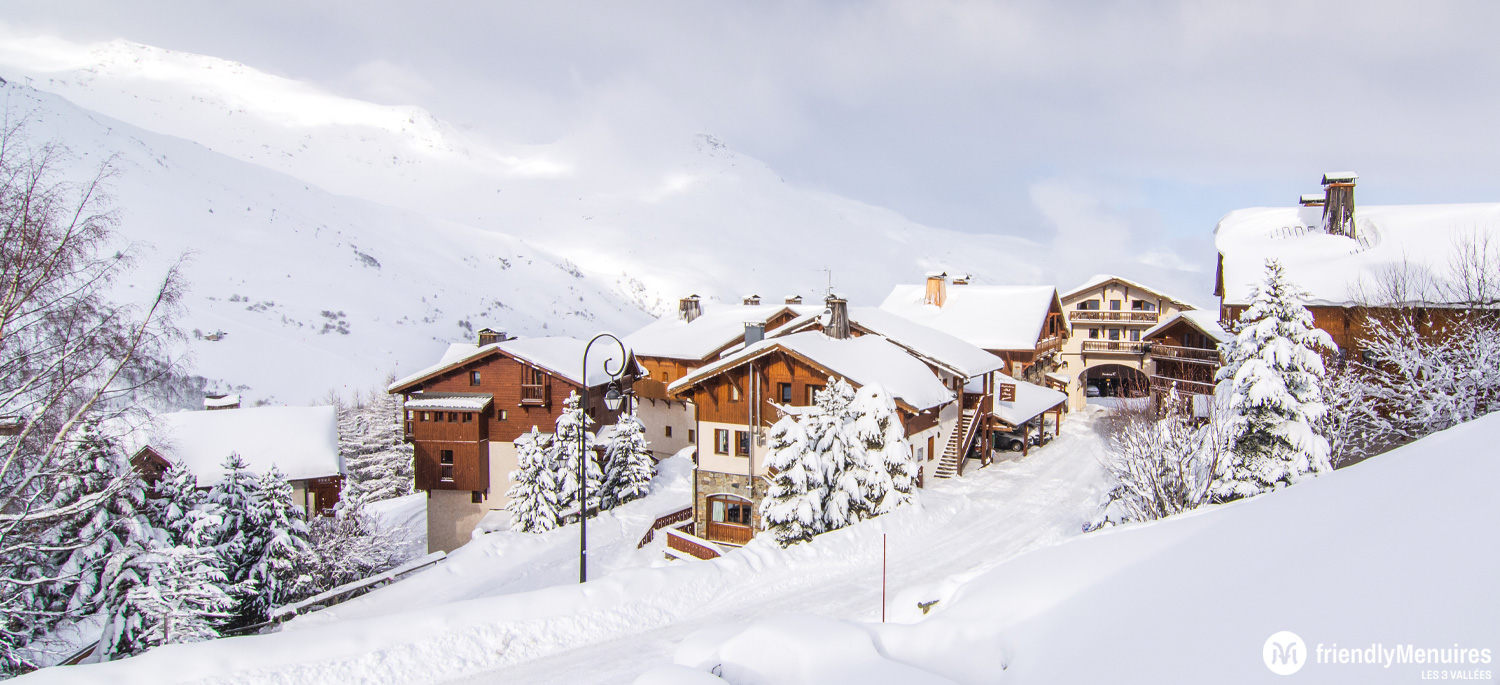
(1271, 376)
(629, 466)
(1158, 466)
(1352, 424)
(534, 506)
(372, 444)
(351, 545)
(1433, 376)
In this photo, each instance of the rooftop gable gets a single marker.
(992, 317)
(1204, 321)
(1104, 279)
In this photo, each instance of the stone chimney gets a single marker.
(689, 308)
(1338, 202)
(836, 318)
(490, 336)
(751, 299)
(937, 289)
(794, 299)
(755, 332)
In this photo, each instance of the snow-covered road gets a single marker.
(966, 526)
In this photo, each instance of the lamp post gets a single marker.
(612, 402)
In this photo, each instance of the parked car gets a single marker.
(1007, 441)
(1091, 391)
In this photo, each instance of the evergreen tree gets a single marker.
(239, 536)
(572, 424)
(283, 550)
(630, 466)
(172, 592)
(844, 465)
(534, 506)
(373, 445)
(877, 428)
(1271, 381)
(792, 509)
(174, 500)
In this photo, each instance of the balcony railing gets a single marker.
(1193, 354)
(1114, 346)
(1112, 315)
(1049, 344)
(536, 394)
(1184, 387)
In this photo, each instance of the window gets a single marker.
(445, 462)
(1143, 305)
(721, 441)
(473, 378)
(742, 443)
(669, 431)
(666, 376)
(426, 416)
(1114, 305)
(784, 390)
(452, 417)
(1135, 335)
(723, 509)
(921, 454)
(1094, 333)
(468, 417)
(500, 414)
(1114, 334)
(812, 394)
(1089, 305)
(734, 391)
(692, 436)
(477, 497)
(533, 386)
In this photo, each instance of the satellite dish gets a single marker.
(826, 318)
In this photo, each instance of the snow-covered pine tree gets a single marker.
(173, 499)
(572, 424)
(239, 538)
(533, 493)
(877, 428)
(845, 469)
(792, 509)
(283, 552)
(1271, 376)
(172, 592)
(629, 464)
(371, 442)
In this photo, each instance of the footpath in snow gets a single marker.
(502, 609)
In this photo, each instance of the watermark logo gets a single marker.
(1284, 653)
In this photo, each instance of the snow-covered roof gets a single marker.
(719, 326)
(1332, 268)
(1031, 400)
(1339, 177)
(225, 401)
(301, 441)
(1205, 321)
(861, 361)
(561, 357)
(926, 342)
(993, 317)
(1100, 279)
(450, 401)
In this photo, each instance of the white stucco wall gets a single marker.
(451, 517)
(658, 416)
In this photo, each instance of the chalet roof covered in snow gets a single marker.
(1031, 401)
(861, 361)
(993, 317)
(719, 326)
(303, 442)
(1100, 279)
(925, 342)
(449, 401)
(561, 357)
(1331, 269)
(1205, 321)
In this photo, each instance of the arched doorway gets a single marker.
(1115, 380)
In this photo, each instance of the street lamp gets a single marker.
(612, 402)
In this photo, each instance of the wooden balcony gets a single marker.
(1111, 315)
(729, 533)
(1114, 346)
(1188, 354)
(1047, 344)
(1161, 384)
(536, 394)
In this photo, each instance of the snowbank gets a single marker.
(1397, 550)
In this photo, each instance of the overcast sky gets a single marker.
(1027, 118)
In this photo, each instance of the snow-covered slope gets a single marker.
(315, 291)
(691, 215)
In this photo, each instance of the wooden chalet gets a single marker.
(1183, 351)
(1105, 353)
(463, 414)
(1023, 325)
(1342, 261)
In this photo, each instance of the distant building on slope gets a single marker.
(302, 442)
(1347, 262)
(1106, 352)
(464, 413)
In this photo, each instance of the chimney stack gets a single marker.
(794, 299)
(836, 325)
(689, 308)
(937, 288)
(490, 336)
(752, 299)
(755, 332)
(1338, 202)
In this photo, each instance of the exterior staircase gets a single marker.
(958, 446)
